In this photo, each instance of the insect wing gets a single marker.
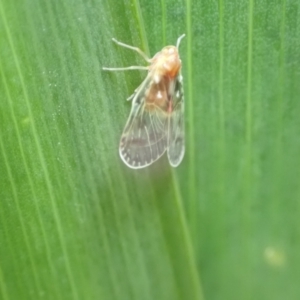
(145, 135)
(176, 142)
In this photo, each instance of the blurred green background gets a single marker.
(76, 223)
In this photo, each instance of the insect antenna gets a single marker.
(138, 50)
(179, 40)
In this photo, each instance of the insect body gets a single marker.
(155, 123)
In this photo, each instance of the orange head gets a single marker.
(165, 63)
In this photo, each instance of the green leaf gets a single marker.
(76, 223)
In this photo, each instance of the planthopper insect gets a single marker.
(156, 120)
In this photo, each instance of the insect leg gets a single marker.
(134, 93)
(126, 68)
(138, 50)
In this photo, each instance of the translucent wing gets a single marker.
(145, 135)
(176, 125)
